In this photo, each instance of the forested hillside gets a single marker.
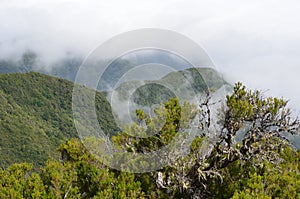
(186, 83)
(261, 164)
(36, 117)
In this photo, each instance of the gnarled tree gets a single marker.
(251, 133)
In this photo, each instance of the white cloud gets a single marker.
(257, 42)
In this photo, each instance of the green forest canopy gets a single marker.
(261, 165)
(36, 117)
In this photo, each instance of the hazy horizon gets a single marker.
(256, 42)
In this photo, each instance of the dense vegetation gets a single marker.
(78, 175)
(37, 108)
(36, 117)
(151, 94)
(260, 164)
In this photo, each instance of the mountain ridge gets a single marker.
(36, 116)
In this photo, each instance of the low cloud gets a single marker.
(256, 42)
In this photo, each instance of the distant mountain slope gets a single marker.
(68, 66)
(36, 116)
(186, 83)
(9, 66)
(25, 63)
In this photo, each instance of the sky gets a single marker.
(256, 42)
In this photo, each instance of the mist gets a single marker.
(256, 42)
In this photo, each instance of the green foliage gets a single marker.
(36, 117)
(265, 165)
(151, 94)
(18, 182)
(78, 177)
(243, 181)
(60, 180)
(271, 182)
(169, 120)
(246, 105)
(259, 165)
